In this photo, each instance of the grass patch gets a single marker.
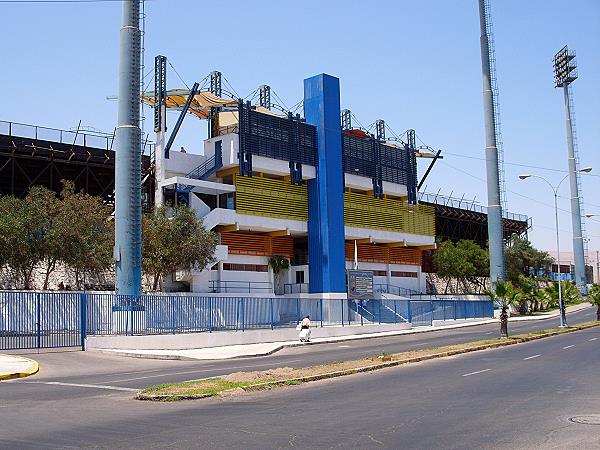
(285, 376)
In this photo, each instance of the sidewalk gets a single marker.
(16, 367)
(249, 350)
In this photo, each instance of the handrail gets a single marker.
(444, 200)
(225, 286)
(212, 163)
(84, 138)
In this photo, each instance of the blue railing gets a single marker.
(208, 167)
(64, 319)
(240, 287)
(395, 290)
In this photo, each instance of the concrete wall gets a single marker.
(218, 339)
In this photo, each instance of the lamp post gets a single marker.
(561, 306)
(597, 252)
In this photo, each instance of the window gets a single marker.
(246, 267)
(404, 274)
(379, 273)
(300, 276)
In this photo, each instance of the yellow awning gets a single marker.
(200, 106)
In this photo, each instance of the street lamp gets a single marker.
(561, 306)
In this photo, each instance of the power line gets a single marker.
(517, 164)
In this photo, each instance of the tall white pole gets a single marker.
(494, 211)
(128, 167)
(578, 251)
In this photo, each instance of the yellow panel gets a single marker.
(365, 211)
(258, 196)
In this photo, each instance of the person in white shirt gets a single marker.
(305, 329)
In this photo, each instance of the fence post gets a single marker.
(431, 309)
(173, 315)
(38, 320)
(362, 309)
(321, 302)
(243, 314)
(380, 303)
(83, 318)
(342, 303)
(132, 301)
(444, 309)
(395, 314)
(409, 312)
(210, 314)
(271, 303)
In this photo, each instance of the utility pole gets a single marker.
(492, 163)
(565, 72)
(128, 204)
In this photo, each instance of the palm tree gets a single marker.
(594, 298)
(505, 294)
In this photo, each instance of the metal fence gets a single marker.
(64, 319)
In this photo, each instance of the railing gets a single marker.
(220, 286)
(64, 319)
(207, 167)
(295, 288)
(466, 205)
(84, 138)
(394, 290)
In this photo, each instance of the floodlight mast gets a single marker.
(565, 72)
(495, 233)
(128, 164)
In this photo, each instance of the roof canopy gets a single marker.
(200, 106)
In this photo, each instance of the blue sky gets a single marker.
(415, 64)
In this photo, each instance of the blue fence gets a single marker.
(56, 319)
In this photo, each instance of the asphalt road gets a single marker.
(516, 397)
(93, 368)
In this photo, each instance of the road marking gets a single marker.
(592, 339)
(490, 332)
(344, 346)
(94, 386)
(531, 357)
(568, 346)
(475, 373)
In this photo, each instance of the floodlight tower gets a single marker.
(565, 72)
(264, 95)
(128, 164)
(493, 158)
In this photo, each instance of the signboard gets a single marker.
(360, 284)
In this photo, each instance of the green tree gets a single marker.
(463, 261)
(278, 263)
(87, 233)
(175, 239)
(505, 294)
(521, 258)
(528, 287)
(25, 227)
(594, 298)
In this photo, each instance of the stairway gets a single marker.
(208, 167)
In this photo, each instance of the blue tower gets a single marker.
(326, 244)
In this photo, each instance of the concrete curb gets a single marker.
(10, 376)
(272, 384)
